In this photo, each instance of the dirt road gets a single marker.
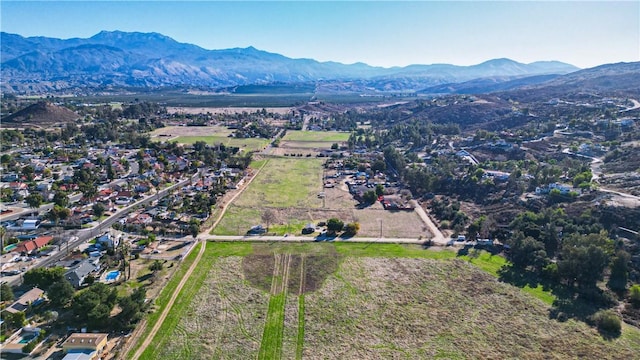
(438, 238)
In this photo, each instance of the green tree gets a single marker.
(89, 190)
(527, 252)
(132, 307)
(351, 229)
(60, 293)
(44, 277)
(584, 258)
(58, 213)
(98, 210)
(110, 173)
(379, 190)
(156, 266)
(194, 229)
(335, 225)
(619, 271)
(634, 295)
(378, 166)
(98, 317)
(61, 198)
(6, 293)
(34, 200)
(28, 172)
(15, 320)
(369, 197)
(3, 233)
(94, 304)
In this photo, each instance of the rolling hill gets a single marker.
(41, 113)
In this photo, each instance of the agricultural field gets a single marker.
(212, 135)
(316, 136)
(357, 301)
(225, 110)
(290, 188)
(288, 185)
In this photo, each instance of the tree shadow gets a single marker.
(580, 304)
(325, 237)
(144, 278)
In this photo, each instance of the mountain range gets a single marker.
(115, 59)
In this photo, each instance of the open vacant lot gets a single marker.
(212, 135)
(290, 186)
(330, 301)
(316, 136)
(284, 184)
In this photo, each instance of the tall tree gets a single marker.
(43, 277)
(584, 258)
(619, 271)
(60, 293)
(98, 209)
(6, 294)
(61, 198)
(34, 200)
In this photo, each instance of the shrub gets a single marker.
(352, 229)
(634, 295)
(607, 321)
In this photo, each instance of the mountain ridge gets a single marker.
(157, 60)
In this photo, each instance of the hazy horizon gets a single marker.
(584, 34)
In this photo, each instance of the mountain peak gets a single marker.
(499, 62)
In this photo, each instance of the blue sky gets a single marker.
(374, 32)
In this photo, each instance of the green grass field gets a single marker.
(317, 136)
(162, 299)
(283, 183)
(383, 301)
(271, 345)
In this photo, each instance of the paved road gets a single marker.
(87, 234)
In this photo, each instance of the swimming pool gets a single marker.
(10, 247)
(26, 339)
(112, 275)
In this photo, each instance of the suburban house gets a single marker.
(564, 189)
(108, 241)
(84, 346)
(16, 342)
(32, 297)
(27, 225)
(77, 275)
(30, 246)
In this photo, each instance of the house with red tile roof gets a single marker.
(29, 246)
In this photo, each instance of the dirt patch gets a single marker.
(307, 272)
(423, 309)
